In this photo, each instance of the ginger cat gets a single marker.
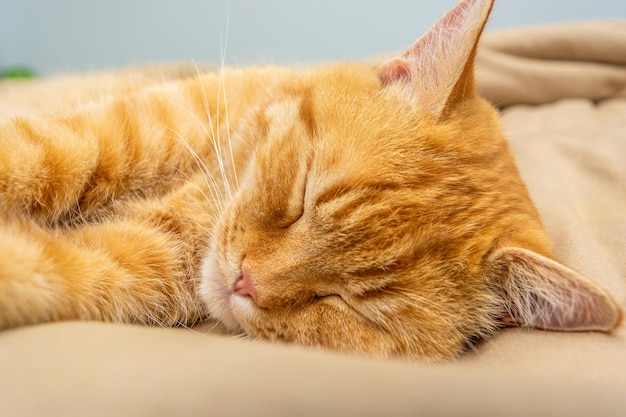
(364, 209)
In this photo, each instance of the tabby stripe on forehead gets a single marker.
(306, 113)
(370, 195)
(340, 190)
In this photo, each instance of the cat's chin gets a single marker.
(216, 294)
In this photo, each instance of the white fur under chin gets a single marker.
(215, 293)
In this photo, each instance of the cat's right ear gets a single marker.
(438, 70)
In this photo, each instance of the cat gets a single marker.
(367, 209)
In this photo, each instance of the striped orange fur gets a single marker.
(364, 209)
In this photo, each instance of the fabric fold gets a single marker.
(535, 65)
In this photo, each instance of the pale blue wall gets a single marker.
(70, 35)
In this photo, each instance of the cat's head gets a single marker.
(382, 212)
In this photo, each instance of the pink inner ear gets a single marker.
(395, 70)
(442, 49)
(540, 292)
(455, 18)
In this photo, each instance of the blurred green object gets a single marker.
(17, 72)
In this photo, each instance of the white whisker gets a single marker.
(214, 138)
(209, 135)
(223, 87)
(206, 174)
(219, 144)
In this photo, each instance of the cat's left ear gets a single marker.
(539, 292)
(439, 67)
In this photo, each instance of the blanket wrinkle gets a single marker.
(535, 65)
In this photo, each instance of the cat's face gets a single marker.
(378, 212)
(361, 222)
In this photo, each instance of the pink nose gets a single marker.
(244, 285)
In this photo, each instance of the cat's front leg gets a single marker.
(121, 271)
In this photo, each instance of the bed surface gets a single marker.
(562, 90)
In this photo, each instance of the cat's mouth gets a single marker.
(217, 294)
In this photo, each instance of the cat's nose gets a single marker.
(244, 285)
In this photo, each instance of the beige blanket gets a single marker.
(571, 148)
